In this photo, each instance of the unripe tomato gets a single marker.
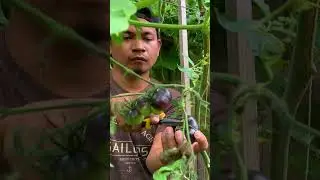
(134, 117)
(143, 106)
(155, 110)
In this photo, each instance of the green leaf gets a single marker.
(120, 13)
(171, 169)
(190, 61)
(113, 126)
(190, 73)
(301, 136)
(117, 38)
(263, 6)
(264, 44)
(238, 25)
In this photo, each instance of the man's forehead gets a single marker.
(133, 29)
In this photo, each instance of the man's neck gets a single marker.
(128, 82)
(65, 70)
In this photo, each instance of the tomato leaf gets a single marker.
(173, 170)
(242, 25)
(113, 125)
(120, 13)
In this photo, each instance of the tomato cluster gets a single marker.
(144, 106)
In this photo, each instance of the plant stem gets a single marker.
(126, 94)
(79, 103)
(278, 11)
(165, 26)
(300, 71)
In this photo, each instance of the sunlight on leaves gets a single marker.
(120, 13)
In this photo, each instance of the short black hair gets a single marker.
(147, 14)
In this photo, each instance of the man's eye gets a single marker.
(148, 38)
(127, 37)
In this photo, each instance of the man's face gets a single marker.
(89, 18)
(137, 53)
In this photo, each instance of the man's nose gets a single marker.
(138, 46)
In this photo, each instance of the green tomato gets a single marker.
(134, 117)
(155, 110)
(145, 110)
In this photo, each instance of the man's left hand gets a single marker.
(177, 140)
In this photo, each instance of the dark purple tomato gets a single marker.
(140, 102)
(193, 125)
(161, 98)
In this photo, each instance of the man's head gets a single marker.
(139, 53)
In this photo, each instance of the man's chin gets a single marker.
(139, 72)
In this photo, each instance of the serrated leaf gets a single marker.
(120, 13)
(171, 169)
(189, 72)
(264, 44)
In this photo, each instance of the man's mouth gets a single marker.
(138, 59)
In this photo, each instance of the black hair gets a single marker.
(146, 13)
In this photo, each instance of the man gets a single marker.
(140, 53)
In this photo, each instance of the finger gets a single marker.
(154, 119)
(168, 139)
(201, 143)
(180, 138)
(184, 146)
